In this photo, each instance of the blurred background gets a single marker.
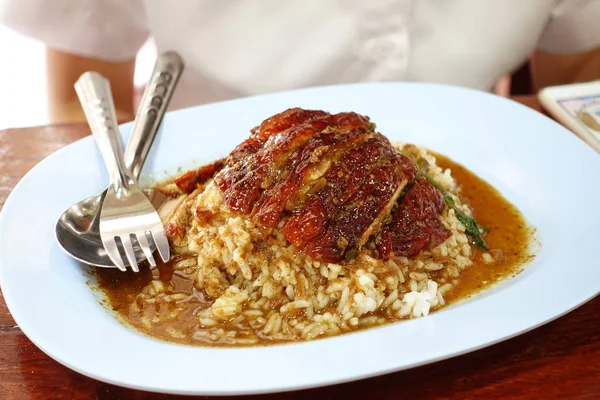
(23, 100)
(23, 83)
(350, 42)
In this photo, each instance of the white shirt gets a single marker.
(239, 48)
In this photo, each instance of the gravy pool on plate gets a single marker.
(316, 226)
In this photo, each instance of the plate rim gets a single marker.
(22, 321)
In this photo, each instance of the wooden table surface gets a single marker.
(560, 360)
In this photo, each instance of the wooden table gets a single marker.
(560, 360)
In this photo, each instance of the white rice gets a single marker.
(264, 288)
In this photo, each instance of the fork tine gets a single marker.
(126, 240)
(143, 242)
(162, 244)
(110, 245)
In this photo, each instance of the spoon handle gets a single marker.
(96, 100)
(153, 105)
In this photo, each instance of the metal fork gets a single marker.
(127, 215)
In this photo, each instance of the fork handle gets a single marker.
(160, 88)
(96, 100)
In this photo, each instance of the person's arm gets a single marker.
(556, 69)
(568, 50)
(63, 70)
(101, 35)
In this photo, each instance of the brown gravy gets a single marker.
(508, 239)
(509, 236)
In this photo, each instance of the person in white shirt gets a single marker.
(240, 48)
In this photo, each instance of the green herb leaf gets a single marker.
(471, 227)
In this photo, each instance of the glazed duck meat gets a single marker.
(331, 185)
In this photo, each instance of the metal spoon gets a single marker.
(77, 229)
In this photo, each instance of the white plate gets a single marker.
(547, 172)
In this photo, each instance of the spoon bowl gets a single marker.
(78, 232)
